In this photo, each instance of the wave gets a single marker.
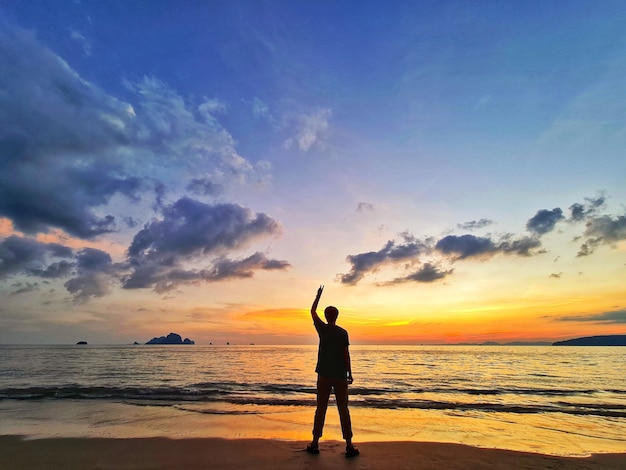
(461, 400)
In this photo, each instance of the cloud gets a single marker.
(471, 246)
(365, 207)
(616, 317)
(53, 271)
(92, 269)
(170, 131)
(475, 224)
(608, 229)
(409, 249)
(309, 128)
(83, 41)
(223, 268)
(453, 248)
(600, 229)
(24, 288)
(426, 274)
(544, 221)
(466, 246)
(19, 255)
(57, 134)
(190, 231)
(205, 187)
(261, 110)
(579, 212)
(67, 147)
(95, 275)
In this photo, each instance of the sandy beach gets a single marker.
(162, 453)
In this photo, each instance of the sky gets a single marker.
(451, 172)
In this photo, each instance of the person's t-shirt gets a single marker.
(330, 355)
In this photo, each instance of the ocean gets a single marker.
(555, 400)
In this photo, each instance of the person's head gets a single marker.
(331, 313)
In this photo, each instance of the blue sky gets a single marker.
(196, 165)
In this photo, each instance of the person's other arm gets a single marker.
(314, 315)
(346, 358)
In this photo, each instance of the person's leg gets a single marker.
(323, 393)
(341, 396)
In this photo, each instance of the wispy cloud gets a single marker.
(475, 224)
(618, 316)
(83, 41)
(309, 128)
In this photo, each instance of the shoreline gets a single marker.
(20, 453)
(558, 436)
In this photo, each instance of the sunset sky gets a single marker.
(450, 171)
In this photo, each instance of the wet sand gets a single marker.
(201, 453)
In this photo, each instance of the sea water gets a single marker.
(556, 400)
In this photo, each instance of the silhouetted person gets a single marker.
(333, 372)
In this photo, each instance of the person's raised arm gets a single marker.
(314, 315)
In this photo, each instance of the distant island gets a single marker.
(81, 343)
(494, 343)
(172, 338)
(516, 343)
(606, 340)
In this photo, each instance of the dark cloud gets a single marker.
(92, 259)
(465, 246)
(24, 288)
(92, 270)
(89, 285)
(522, 246)
(409, 249)
(454, 247)
(426, 274)
(544, 221)
(475, 224)
(95, 275)
(617, 317)
(19, 255)
(471, 246)
(223, 269)
(193, 228)
(607, 228)
(67, 148)
(588, 247)
(579, 212)
(190, 231)
(54, 270)
(57, 134)
(602, 230)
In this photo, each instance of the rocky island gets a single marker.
(172, 338)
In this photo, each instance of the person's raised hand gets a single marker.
(319, 291)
